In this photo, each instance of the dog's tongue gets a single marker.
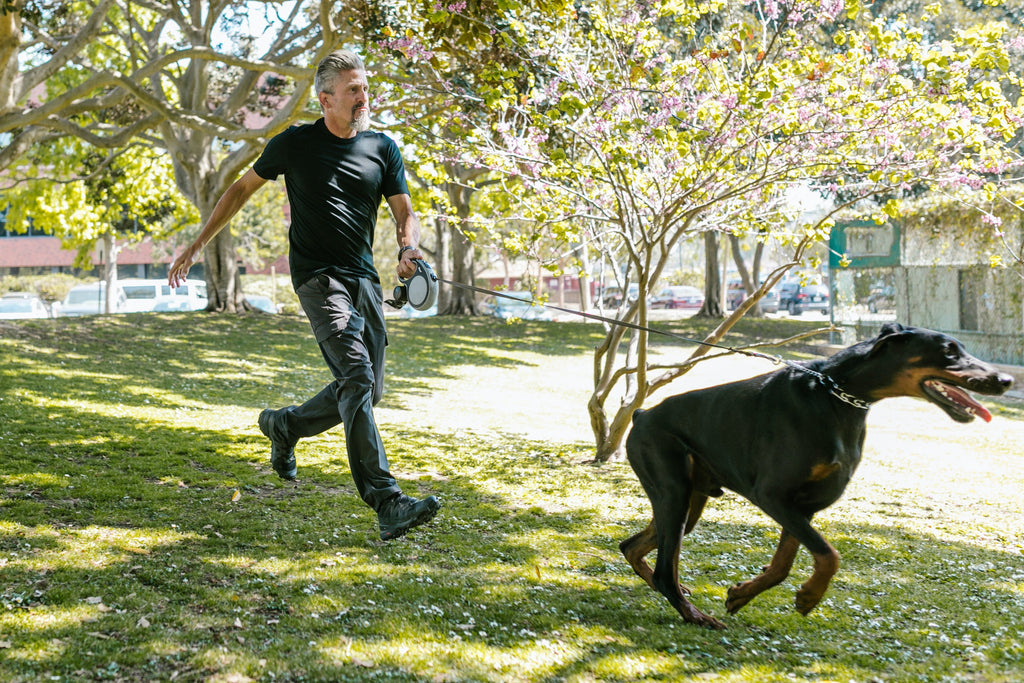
(964, 399)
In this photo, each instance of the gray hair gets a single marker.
(333, 64)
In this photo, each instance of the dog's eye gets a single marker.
(951, 350)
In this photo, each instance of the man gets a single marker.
(336, 173)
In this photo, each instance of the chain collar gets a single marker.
(833, 387)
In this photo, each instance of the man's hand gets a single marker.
(178, 272)
(406, 268)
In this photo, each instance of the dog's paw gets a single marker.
(807, 600)
(738, 596)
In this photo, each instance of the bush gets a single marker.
(50, 287)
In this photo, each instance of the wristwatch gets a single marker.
(403, 250)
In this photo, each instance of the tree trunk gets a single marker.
(749, 280)
(109, 250)
(442, 257)
(460, 301)
(223, 279)
(10, 42)
(199, 179)
(463, 301)
(712, 307)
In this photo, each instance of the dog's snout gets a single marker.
(993, 383)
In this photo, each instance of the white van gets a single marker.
(89, 300)
(142, 295)
(189, 296)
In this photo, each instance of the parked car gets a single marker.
(155, 294)
(882, 298)
(193, 293)
(141, 295)
(89, 299)
(409, 312)
(611, 297)
(736, 294)
(524, 308)
(22, 306)
(806, 298)
(769, 303)
(679, 296)
(263, 303)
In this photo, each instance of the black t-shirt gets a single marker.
(335, 186)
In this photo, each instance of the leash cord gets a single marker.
(829, 383)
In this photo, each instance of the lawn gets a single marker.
(144, 537)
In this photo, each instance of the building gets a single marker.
(938, 278)
(35, 254)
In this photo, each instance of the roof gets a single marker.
(43, 251)
(47, 252)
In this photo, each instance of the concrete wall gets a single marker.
(945, 282)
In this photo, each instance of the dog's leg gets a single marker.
(636, 547)
(697, 502)
(772, 575)
(826, 564)
(669, 519)
(826, 559)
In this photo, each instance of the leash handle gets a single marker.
(419, 289)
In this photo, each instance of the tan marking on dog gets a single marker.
(905, 383)
(823, 471)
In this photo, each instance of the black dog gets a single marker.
(791, 451)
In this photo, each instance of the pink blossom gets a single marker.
(771, 9)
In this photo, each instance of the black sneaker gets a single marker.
(282, 451)
(399, 513)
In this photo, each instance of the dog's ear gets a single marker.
(890, 328)
(889, 334)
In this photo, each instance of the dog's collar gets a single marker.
(849, 399)
(834, 388)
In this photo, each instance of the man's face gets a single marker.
(349, 104)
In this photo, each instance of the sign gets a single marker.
(864, 244)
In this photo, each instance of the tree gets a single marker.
(38, 40)
(219, 106)
(99, 201)
(665, 121)
(158, 73)
(435, 58)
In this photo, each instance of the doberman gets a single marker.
(792, 442)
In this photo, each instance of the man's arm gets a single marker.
(227, 206)
(407, 233)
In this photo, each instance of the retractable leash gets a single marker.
(420, 290)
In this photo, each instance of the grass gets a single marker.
(144, 537)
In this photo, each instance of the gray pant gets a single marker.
(348, 321)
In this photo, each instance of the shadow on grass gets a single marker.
(128, 563)
(138, 547)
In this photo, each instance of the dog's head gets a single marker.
(937, 368)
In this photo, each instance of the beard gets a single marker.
(361, 120)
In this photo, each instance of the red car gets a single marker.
(681, 296)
